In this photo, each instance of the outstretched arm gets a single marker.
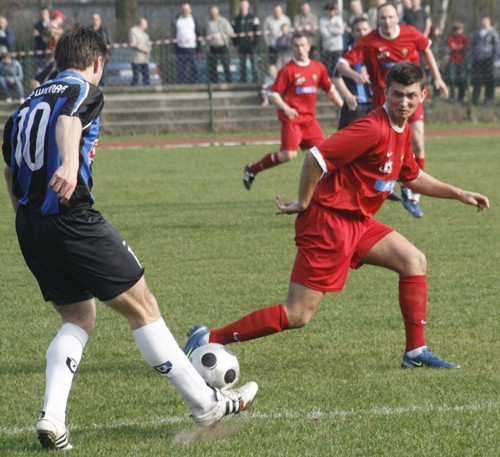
(425, 184)
(436, 74)
(335, 97)
(310, 175)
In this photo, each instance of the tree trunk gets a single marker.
(292, 8)
(127, 13)
(234, 6)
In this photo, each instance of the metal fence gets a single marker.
(474, 82)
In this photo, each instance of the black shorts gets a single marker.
(76, 256)
(347, 116)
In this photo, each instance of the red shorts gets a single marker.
(305, 135)
(329, 242)
(418, 115)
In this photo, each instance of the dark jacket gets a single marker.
(246, 24)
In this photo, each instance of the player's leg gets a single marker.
(295, 312)
(291, 137)
(395, 252)
(411, 200)
(62, 359)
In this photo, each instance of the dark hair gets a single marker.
(406, 74)
(78, 48)
(358, 20)
(298, 35)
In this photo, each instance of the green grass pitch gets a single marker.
(213, 252)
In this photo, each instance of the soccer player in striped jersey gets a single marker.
(344, 182)
(49, 147)
(294, 93)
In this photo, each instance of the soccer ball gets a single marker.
(217, 365)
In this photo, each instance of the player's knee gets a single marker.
(288, 155)
(416, 264)
(299, 319)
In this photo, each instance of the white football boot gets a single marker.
(52, 434)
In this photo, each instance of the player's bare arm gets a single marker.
(350, 99)
(345, 70)
(290, 112)
(334, 96)
(8, 180)
(439, 84)
(68, 134)
(310, 175)
(427, 185)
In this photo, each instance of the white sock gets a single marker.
(416, 352)
(159, 348)
(63, 356)
(415, 197)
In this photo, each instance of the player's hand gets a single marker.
(63, 182)
(441, 87)
(471, 198)
(352, 102)
(292, 207)
(291, 113)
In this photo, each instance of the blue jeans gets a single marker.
(251, 54)
(456, 74)
(188, 71)
(142, 69)
(6, 86)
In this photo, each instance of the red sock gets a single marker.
(413, 304)
(262, 322)
(420, 162)
(268, 161)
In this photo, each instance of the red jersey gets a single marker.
(458, 43)
(380, 53)
(362, 163)
(298, 84)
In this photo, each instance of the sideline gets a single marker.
(243, 141)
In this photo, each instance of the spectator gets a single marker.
(218, 31)
(7, 37)
(186, 31)
(355, 11)
(307, 22)
(418, 17)
(41, 38)
(140, 45)
(246, 27)
(373, 13)
(485, 48)
(56, 28)
(269, 79)
(96, 25)
(284, 47)
(458, 45)
(357, 96)
(331, 29)
(272, 31)
(11, 77)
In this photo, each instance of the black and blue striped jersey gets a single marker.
(29, 141)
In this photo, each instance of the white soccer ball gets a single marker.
(217, 365)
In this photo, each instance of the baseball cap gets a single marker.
(57, 14)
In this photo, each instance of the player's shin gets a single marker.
(63, 356)
(413, 304)
(257, 324)
(160, 349)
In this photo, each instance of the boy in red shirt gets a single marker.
(343, 183)
(458, 44)
(297, 82)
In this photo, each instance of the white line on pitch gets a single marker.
(315, 414)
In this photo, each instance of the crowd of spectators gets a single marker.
(265, 46)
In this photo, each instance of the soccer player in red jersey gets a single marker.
(343, 183)
(379, 51)
(298, 83)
